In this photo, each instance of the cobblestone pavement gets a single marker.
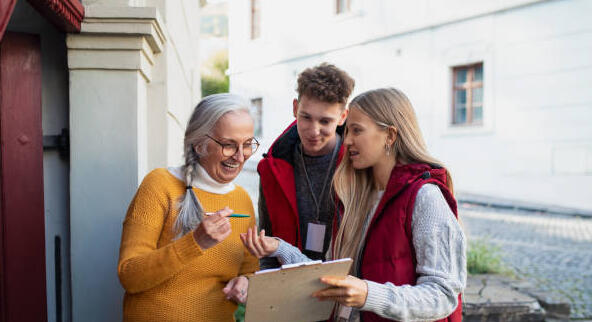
(553, 252)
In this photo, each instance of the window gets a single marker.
(255, 19)
(467, 95)
(257, 113)
(342, 6)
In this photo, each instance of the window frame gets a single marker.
(469, 85)
(256, 108)
(255, 19)
(339, 10)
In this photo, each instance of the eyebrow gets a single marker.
(233, 141)
(322, 117)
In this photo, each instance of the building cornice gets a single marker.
(117, 38)
(67, 15)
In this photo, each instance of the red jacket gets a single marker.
(388, 254)
(276, 171)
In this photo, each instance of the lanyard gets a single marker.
(312, 194)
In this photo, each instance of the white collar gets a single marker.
(203, 181)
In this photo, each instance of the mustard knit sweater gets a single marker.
(174, 280)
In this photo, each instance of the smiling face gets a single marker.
(365, 141)
(232, 128)
(317, 122)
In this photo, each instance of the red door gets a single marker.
(22, 228)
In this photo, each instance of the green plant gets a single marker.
(213, 76)
(485, 258)
(239, 314)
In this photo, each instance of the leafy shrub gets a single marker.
(485, 258)
(239, 314)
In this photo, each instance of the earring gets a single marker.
(388, 149)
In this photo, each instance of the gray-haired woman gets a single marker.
(181, 257)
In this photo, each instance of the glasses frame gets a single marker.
(254, 147)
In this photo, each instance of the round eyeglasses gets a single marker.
(230, 149)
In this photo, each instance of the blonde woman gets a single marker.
(398, 221)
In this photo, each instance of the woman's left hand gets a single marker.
(236, 289)
(348, 291)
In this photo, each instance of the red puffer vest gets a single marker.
(388, 255)
(276, 171)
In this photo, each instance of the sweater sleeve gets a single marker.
(142, 265)
(440, 248)
(288, 254)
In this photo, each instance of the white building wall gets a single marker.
(133, 85)
(536, 141)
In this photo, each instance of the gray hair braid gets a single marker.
(201, 123)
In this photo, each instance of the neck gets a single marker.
(382, 172)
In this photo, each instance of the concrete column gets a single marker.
(110, 65)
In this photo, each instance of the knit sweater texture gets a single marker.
(175, 280)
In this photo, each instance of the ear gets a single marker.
(391, 136)
(295, 106)
(343, 116)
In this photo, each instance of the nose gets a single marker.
(316, 129)
(239, 155)
(347, 141)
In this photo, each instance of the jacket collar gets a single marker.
(404, 175)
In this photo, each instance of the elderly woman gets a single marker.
(181, 257)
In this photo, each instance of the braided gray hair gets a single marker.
(201, 123)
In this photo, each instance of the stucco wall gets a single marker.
(535, 144)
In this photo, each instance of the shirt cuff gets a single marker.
(376, 300)
(282, 252)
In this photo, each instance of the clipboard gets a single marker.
(284, 295)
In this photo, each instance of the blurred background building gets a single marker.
(501, 88)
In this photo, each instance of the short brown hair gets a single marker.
(326, 83)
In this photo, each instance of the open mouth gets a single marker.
(353, 154)
(230, 165)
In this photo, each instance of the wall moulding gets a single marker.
(66, 15)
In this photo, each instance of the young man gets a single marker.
(295, 199)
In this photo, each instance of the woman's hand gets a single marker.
(348, 291)
(258, 244)
(236, 289)
(213, 229)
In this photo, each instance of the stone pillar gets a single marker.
(110, 63)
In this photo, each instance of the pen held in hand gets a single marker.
(231, 216)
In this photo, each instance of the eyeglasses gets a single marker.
(230, 149)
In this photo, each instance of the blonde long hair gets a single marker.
(356, 188)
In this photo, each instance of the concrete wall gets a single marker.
(535, 144)
(132, 87)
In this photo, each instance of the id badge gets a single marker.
(315, 237)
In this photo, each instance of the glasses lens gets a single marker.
(229, 149)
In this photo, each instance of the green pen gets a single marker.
(239, 216)
(231, 216)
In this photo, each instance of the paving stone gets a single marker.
(551, 252)
(490, 298)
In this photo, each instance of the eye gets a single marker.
(325, 122)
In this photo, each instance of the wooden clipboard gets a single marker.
(284, 295)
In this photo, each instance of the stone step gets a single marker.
(491, 298)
